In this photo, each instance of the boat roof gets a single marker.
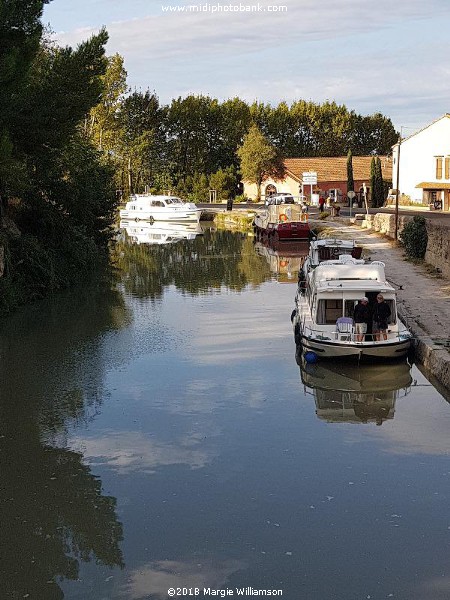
(333, 242)
(147, 197)
(351, 274)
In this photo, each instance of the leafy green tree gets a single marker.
(193, 129)
(64, 199)
(259, 160)
(20, 36)
(141, 149)
(372, 134)
(103, 126)
(224, 181)
(235, 121)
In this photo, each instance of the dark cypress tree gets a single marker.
(350, 180)
(373, 182)
(379, 189)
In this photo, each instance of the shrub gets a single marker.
(414, 237)
(324, 215)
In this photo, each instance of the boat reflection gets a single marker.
(285, 259)
(355, 394)
(159, 232)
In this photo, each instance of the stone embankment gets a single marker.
(423, 290)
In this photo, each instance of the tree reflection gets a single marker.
(210, 261)
(54, 514)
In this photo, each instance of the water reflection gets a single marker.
(53, 507)
(195, 266)
(285, 259)
(356, 394)
(159, 232)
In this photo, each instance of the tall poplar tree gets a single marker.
(350, 180)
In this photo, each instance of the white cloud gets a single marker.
(153, 580)
(129, 451)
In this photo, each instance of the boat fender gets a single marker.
(283, 217)
(311, 357)
(293, 314)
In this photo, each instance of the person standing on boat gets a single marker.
(361, 316)
(381, 314)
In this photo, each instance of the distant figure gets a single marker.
(381, 314)
(321, 203)
(328, 202)
(304, 208)
(361, 316)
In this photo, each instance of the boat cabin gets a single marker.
(335, 287)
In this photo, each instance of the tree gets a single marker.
(103, 126)
(141, 148)
(259, 160)
(224, 182)
(376, 183)
(379, 186)
(20, 36)
(350, 180)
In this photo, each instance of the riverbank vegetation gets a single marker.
(57, 198)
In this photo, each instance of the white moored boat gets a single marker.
(324, 306)
(144, 207)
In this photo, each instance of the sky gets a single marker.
(371, 55)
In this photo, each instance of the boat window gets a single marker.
(329, 311)
(157, 203)
(349, 307)
(392, 318)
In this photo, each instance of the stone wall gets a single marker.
(383, 223)
(438, 247)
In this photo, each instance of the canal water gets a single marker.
(159, 439)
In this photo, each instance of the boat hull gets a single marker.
(383, 350)
(279, 232)
(181, 216)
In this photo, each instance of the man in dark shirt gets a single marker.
(381, 314)
(361, 318)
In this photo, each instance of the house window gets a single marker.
(439, 167)
(447, 167)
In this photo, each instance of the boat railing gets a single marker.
(349, 335)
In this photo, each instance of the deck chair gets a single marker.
(344, 328)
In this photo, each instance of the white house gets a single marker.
(424, 165)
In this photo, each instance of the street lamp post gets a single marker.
(397, 190)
